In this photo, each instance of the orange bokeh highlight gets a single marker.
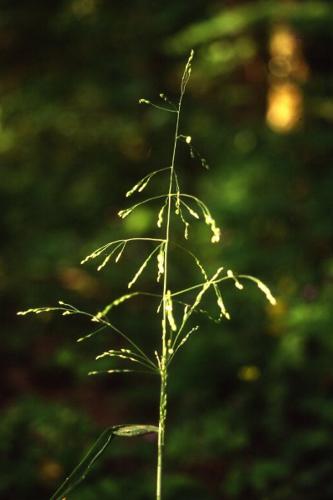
(285, 107)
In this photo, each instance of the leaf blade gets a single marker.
(135, 430)
(81, 470)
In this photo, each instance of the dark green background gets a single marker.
(73, 139)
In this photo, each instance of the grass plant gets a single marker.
(176, 307)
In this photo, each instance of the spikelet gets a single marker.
(170, 348)
(122, 299)
(62, 303)
(238, 285)
(191, 211)
(194, 153)
(142, 267)
(167, 100)
(160, 263)
(105, 261)
(37, 310)
(65, 311)
(177, 203)
(200, 266)
(160, 216)
(124, 213)
(185, 138)
(115, 370)
(220, 302)
(266, 291)
(136, 276)
(221, 305)
(94, 254)
(140, 185)
(115, 303)
(91, 334)
(187, 336)
(213, 227)
(99, 251)
(204, 288)
(158, 359)
(159, 307)
(169, 311)
(186, 230)
(143, 185)
(187, 72)
(179, 212)
(120, 253)
(185, 313)
(117, 354)
(216, 289)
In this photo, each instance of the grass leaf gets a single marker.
(134, 430)
(81, 471)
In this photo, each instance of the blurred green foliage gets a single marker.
(251, 404)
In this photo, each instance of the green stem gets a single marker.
(164, 354)
(161, 433)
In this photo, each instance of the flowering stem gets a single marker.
(164, 355)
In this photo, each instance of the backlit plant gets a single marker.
(175, 309)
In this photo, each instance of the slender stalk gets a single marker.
(161, 434)
(164, 354)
